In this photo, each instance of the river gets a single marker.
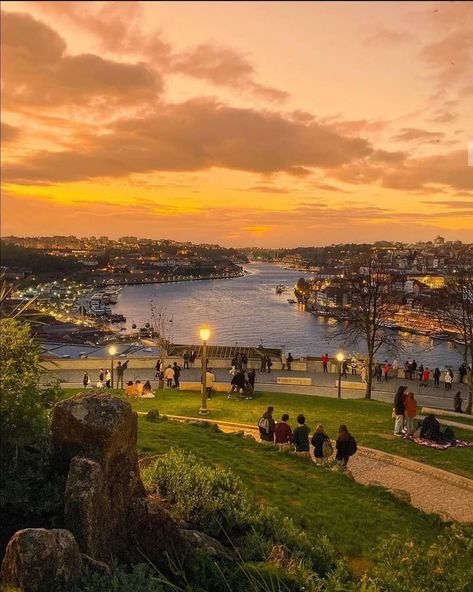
(247, 311)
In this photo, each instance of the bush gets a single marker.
(215, 500)
(445, 566)
(152, 415)
(140, 579)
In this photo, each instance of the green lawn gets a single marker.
(355, 517)
(369, 421)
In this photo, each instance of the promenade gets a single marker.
(323, 384)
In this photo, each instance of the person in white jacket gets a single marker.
(169, 376)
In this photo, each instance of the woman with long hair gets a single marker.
(346, 447)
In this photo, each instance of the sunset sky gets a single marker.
(242, 123)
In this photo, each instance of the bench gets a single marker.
(218, 387)
(346, 384)
(293, 380)
(429, 410)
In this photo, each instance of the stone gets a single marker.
(38, 560)
(154, 535)
(203, 541)
(94, 442)
(87, 511)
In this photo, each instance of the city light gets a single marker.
(204, 334)
(112, 350)
(340, 357)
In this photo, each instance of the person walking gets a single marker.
(420, 371)
(448, 379)
(169, 376)
(354, 366)
(158, 366)
(209, 382)
(378, 372)
(252, 378)
(283, 433)
(86, 379)
(462, 371)
(185, 359)
(437, 377)
(263, 364)
(410, 411)
(344, 368)
(289, 361)
(192, 358)
(325, 361)
(108, 379)
(346, 447)
(322, 451)
(101, 375)
(413, 369)
(269, 363)
(266, 425)
(177, 374)
(457, 403)
(386, 370)
(425, 378)
(398, 410)
(363, 374)
(301, 435)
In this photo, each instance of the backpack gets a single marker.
(327, 448)
(263, 424)
(352, 447)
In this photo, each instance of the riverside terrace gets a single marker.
(142, 359)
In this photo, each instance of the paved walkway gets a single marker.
(428, 488)
(323, 385)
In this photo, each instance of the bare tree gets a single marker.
(458, 312)
(368, 288)
(162, 325)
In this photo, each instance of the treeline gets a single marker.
(23, 258)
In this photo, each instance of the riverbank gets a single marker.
(176, 280)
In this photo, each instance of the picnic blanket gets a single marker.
(440, 445)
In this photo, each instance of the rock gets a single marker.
(95, 566)
(205, 542)
(94, 443)
(87, 511)
(154, 534)
(38, 560)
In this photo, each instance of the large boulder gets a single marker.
(94, 442)
(38, 560)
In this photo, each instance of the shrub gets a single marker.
(140, 579)
(216, 501)
(152, 415)
(445, 566)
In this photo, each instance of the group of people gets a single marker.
(138, 390)
(285, 438)
(242, 383)
(405, 410)
(105, 377)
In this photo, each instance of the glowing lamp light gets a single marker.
(340, 357)
(112, 350)
(204, 334)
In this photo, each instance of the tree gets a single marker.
(458, 312)
(162, 327)
(368, 287)
(24, 405)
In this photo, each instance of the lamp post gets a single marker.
(340, 358)
(112, 350)
(204, 335)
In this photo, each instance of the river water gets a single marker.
(247, 311)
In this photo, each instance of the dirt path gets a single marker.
(425, 487)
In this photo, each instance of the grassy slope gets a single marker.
(355, 517)
(369, 421)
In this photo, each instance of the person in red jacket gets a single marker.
(283, 433)
(425, 378)
(325, 361)
(410, 411)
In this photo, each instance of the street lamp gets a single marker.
(112, 350)
(204, 335)
(340, 358)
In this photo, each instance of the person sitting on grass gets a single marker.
(138, 388)
(346, 447)
(283, 433)
(130, 389)
(266, 425)
(320, 451)
(301, 435)
(147, 391)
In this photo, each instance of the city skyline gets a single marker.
(240, 124)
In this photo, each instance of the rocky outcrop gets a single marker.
(106, 510)
(37, 560)
(105, 503)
